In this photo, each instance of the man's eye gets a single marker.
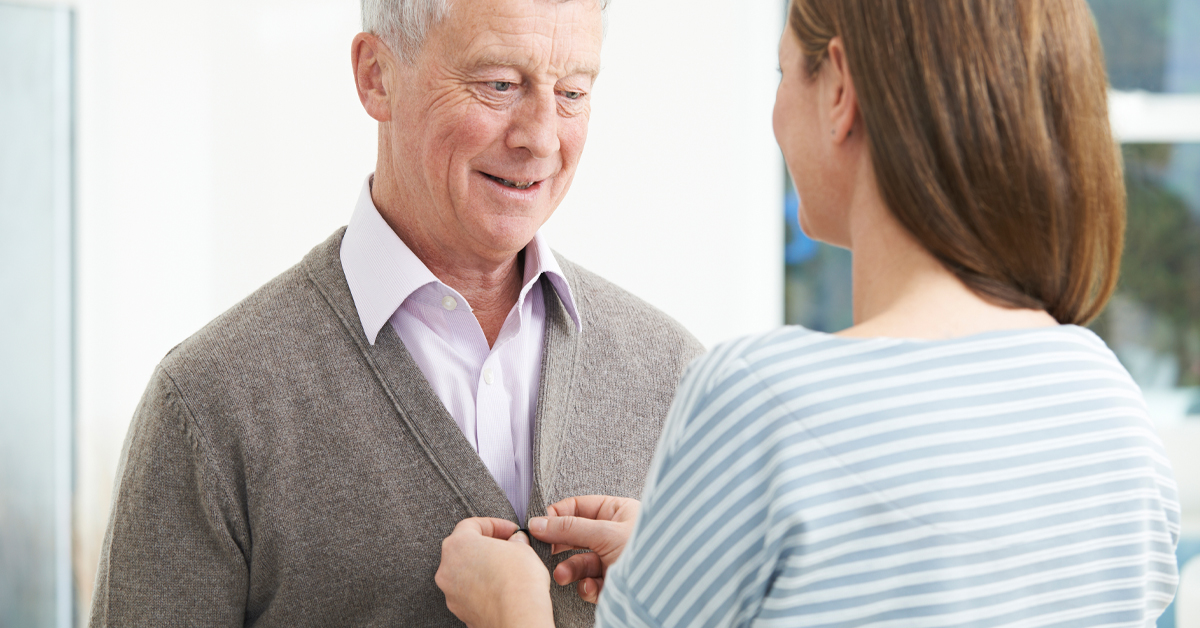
(573, 95)
(501, 86)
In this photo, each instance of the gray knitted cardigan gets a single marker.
(282, 471)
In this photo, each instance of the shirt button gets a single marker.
(449, 303)
(488, 376)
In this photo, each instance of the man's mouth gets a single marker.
(516, 185)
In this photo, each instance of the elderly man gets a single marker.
(299, 460)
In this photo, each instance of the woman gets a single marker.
(965, 454)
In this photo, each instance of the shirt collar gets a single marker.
(383, 272)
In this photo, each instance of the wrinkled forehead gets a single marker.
(560, 37)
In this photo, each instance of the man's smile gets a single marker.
(516, 185)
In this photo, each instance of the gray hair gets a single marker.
(403, 24)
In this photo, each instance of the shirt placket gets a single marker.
(494, 424)
(493, 411)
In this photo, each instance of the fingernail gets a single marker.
(519, 537)
(587, 587)
(537, 525)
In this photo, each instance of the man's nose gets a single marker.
(535, 125)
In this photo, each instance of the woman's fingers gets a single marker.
(467, 551)
(602, 507)
(495, 528)
(488, 570)
(557, 548)
(576, 507)
(605, 537)
(579, 567)
(589, 589)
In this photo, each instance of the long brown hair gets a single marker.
(987, 122)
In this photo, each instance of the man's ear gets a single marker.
(372, 60)
(843, 111)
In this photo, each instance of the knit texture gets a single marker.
(282, 471)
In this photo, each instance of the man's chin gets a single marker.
(508, 235)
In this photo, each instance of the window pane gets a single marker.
(35, 577)
(1151, 45)
(817, 278)
(1153, 323)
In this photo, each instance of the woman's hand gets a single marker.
(492, 578)
(598, 523)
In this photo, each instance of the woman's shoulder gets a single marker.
(792, 345)
(748, 354)
(811, 366)
(755, 351)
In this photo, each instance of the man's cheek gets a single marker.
(572, 140)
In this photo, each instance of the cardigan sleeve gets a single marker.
(176, 546)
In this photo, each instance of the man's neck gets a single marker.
(491, 286)
(491, 295)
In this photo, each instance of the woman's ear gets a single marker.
(842, 98)
(372, 60)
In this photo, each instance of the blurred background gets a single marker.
(159, 160)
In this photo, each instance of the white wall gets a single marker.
(679, 196)
(219, 141)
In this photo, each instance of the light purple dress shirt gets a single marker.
(491, 392)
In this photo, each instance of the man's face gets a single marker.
(490, 119)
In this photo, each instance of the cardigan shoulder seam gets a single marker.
(194, 433)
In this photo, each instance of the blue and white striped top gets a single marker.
(804, 479)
